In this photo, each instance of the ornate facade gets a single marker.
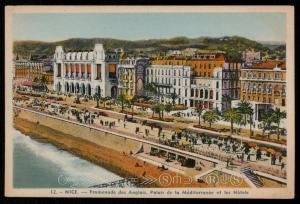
(264, 86)
(86, 73)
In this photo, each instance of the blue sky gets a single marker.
(137, 26)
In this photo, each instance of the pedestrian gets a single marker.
(248, 157)
(280, 159)
(282, 165)
(124, 125)
(227, 162)
(242, 157)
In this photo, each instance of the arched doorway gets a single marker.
(139, 87)
(88, 90)
(113, 92)
(67, 87)
(98, 90)
(77, 91)
(71, 87)
(58, 87)
(82, 89)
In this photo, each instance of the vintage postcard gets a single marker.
(152, 102)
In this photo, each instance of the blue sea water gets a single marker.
(42, 165)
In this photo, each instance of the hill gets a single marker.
(231, 45)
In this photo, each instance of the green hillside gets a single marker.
(231, 45)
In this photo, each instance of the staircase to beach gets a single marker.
(248, 172)
(139, 149)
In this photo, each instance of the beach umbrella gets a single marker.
(252, 144)
(184, 142)
(277, 154)
(265, 149)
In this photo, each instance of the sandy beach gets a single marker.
(115, 161)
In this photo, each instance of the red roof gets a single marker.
(269, 64)
(30, 83)
(27, 83)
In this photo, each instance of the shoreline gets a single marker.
(100, 155)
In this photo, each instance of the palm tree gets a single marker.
(199, 111)
(266, 122)
(277, 116)
(97, 98)
(210, 117)
(44, 80)
(122, 100)
(168, 108)
(227, 99)
(161, 111)
(36, 79)
(233, 116)
(156, 109)
(150, 89)
(246, 110)
(131, 102)
(173, 96)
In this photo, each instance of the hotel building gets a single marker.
(208, 79)
(86, 73)
(171, 80)
(131, 76)
(264, 86)
(29, 69)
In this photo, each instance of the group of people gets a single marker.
(110, 124)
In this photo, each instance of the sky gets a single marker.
(139, 26)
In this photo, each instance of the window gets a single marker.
(112, 71)
(283, 102)
(217, 96)
(58, 70)
(185, 92)
(206, 94)
(211, 94)
(201, 93)
(192, 92)
(217, 85)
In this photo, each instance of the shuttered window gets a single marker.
(98, 71)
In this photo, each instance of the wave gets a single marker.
(72, 170)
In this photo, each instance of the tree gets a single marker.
(150, 89)
(168, 108)
(122, 100)
(210, 117)
(266, 122)
(97, 98)
(246, 110)
(161, 111)
(156, 109)
(277, 116)
(199, 111)
(36, 80)
(227, 99)
(131, 102)
(173, 96)
(233, 116)
(43, 80)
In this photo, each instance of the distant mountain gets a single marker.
(233, 46)
(273, 45)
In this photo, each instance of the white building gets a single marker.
(207, 92)
(170, 80)
(250, 56)
(86, 73)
